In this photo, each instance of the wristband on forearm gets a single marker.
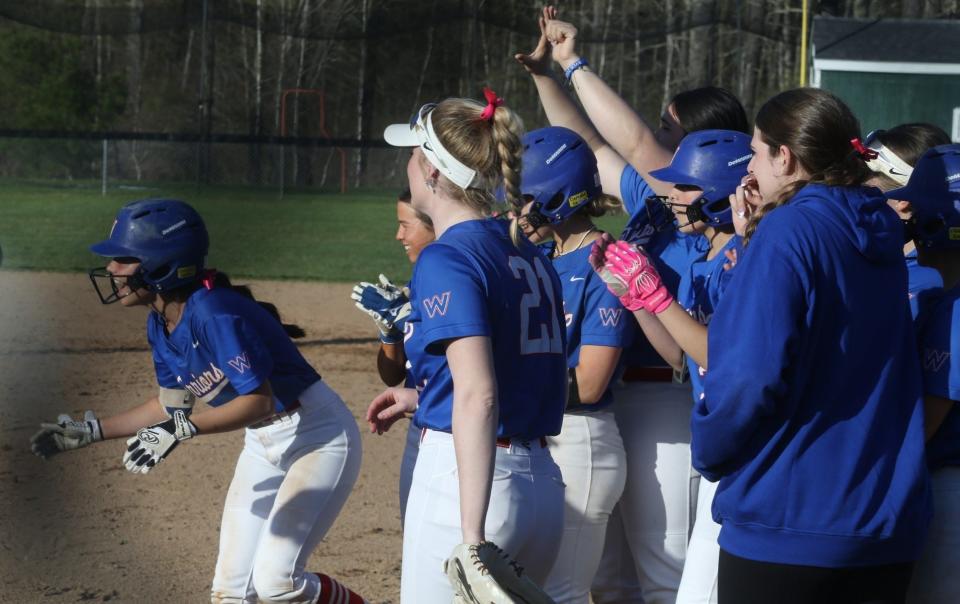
(578, 64)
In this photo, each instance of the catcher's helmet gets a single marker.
(167, 236)
(559, 174)
(934, 192)
(715, 161)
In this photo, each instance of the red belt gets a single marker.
(507, 442)
(276, 416)
(648, 374)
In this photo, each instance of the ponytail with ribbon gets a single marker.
(493, 101)
(861, 150)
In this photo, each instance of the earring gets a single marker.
(431, 184)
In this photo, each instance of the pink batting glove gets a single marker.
(598, 262)
(638, 276)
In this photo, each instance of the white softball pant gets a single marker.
(292, 478)
(525, 515)
(699, 582)
(657, 504)
(410, 450)
(935, 577)
(594, 469)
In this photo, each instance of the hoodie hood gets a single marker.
(863, 215)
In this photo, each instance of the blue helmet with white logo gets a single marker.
(559, 174)
(167, 236)
(714, 161)
(934, 193)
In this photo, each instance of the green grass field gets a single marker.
(254, 233)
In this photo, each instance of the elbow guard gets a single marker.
(174, 399)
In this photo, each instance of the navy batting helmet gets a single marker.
(714, 161)
(167, 236)
(559, 174)
(934, 192)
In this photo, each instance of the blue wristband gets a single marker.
(568, 72)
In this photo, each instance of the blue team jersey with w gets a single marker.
(672, 252)
(473, 281)
(226, 345)
(593, 315)
(699, 294)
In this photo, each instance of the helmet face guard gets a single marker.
(533, 220)
(713, 213)
(102, 276)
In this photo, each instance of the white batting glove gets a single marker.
(388, 306)
(65, 435)
(152, 445)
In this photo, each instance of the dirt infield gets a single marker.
(80, 528)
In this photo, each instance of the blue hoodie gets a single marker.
(813, 417)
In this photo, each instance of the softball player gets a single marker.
(934, 194)
(823, 493)
(892, 155)
(560, 181)
(487, 354)
(706, 170)
(653, 404)
(210, 343)
(389, 307)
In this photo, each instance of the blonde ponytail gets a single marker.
(491, 147)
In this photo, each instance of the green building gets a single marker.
(891, 71)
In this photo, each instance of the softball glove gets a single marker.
(483, 574)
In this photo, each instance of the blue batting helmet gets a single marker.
(559, 173)
(167, 236)
(714, 161)
(934, 192)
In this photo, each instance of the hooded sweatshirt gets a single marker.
(813, 419)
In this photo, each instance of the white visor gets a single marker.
(888, 163)
(419, 133)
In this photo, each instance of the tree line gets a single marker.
(223, 66)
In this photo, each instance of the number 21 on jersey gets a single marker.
(533, 305)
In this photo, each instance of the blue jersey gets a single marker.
(226, 345)
(473, 281)
(593, 315)
(940, 353)
(672, 252)
(922, 282)
(700, 292)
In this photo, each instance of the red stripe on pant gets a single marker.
(332, 592)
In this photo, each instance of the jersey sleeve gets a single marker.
(634, 190)
(165, 377)
(605, 321)
(940, 347)
(451, 295)
(238, 350)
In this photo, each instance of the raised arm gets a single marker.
(562, 111)
(618, 124)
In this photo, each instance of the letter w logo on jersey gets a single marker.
(934, 359)
(239, 363)
(610, 317)
(437, 304)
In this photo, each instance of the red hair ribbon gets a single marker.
(208, 278)
(493, 101)
(864, 153)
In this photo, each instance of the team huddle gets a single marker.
(747, 396)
